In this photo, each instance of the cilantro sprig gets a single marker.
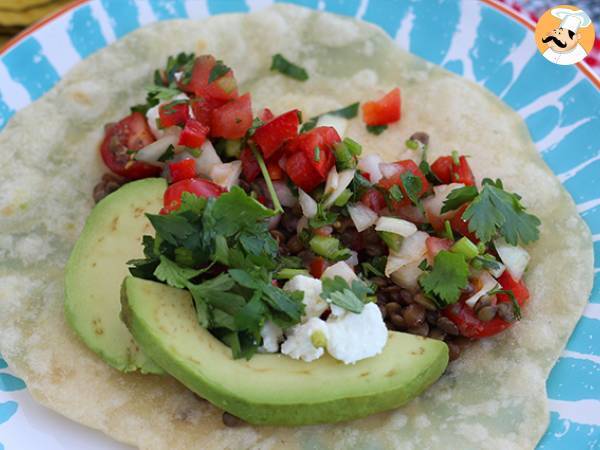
(288, 68)
(448, 276)
(190, 249)
(347, 112)
(350, 296)
(495, 212)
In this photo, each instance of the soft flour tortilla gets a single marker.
(492, 397)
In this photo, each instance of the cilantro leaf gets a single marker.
(376, 129)
(174, 275)
(351, 297)
(495, 211)
(412, 185)
(218, 71)
(184, 63)
(287, 68)
(168, 154)
(450, 274)
(396, 193)
(234, 209)
(280, 300)
(173, 228)
(251, 315)
(458, 197)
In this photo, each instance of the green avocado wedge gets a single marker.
(112, 235)
(274, 389)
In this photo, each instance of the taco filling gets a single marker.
(290, 242)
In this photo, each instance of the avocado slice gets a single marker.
(111, 236)
(273, 389)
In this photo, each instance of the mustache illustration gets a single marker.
(556, 41)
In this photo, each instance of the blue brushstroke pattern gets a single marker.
(580, 102)
(28, 66)
(85, 32)
(3, 364)
(123, 16)
(563, 434)
(586, 184)
(496, 39)
(169, 9)
(433, 26)
(538, 77)
(227, 6)
(7, 410)
(345, 7)
(390, 20)
(5, 113)
(585, 338)
(579, 145)
(572, 379)
(10, 383)
(542, 122)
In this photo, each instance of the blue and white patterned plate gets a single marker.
(480, 41)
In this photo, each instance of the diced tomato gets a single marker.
(373, 199)
(129, 134)
(193, 134)
(322, 137)
(233, 119)
(182, 170)
(272, 135)
(198, 186)
(265, 115)
(448, 172)
(174, 114)
(224, 87)
(404, 166)
(250, 168)
(366, 175)
(466, 320)
(436, 245)
(461, 226)
(384, 111)
(202, 108)
(275, 170)
(317, 267)
(302, 172)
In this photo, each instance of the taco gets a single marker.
(292, 245)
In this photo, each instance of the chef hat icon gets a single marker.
(571, 19)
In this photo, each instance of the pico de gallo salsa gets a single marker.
(438, 253)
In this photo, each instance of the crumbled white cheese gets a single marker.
(353, 337)
(272, 335)
(314, 305)
(299, 342)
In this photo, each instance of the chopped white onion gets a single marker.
(397, 226)
(226, 175)
(339, 123)
(344, 178)
(332, 181)
(340, 269)
(353, 260)
(515, 258)
(388, 170)
(433, 204)
(487, 283)
(412, 249)
(302, 224)
(307, 203)
(151, 152)
(207, 159)
(362, 216)
(284, 193)
(407, 276)
(370, 164)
